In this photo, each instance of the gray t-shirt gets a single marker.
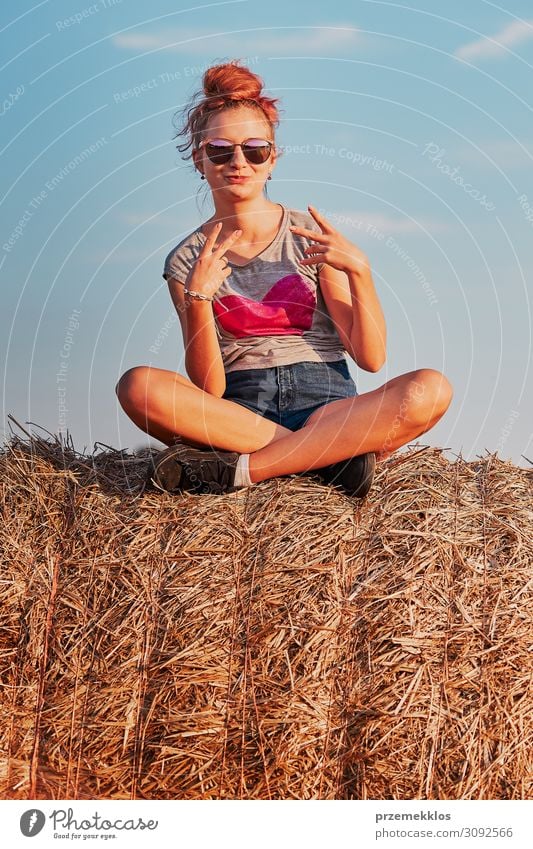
(269, 311)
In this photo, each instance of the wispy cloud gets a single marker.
(132, 219)
(494, 46)
(350, 220)
(126, 257)
(505, 153)
(278, 40)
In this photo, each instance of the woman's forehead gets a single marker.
(237, 123)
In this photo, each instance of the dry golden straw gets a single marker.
(281, 642)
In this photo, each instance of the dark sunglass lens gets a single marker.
(219, 154)
(256, 152)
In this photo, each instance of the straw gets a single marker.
(282, 642)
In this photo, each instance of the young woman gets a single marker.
(269, 300)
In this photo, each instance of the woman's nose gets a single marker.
(238, 157)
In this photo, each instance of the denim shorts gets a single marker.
(287, 395)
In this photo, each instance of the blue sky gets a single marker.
(410, 129)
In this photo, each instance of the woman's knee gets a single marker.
(132, 387)
(429, 395)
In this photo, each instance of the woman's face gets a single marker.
(237, 178)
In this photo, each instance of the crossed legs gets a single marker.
(165, 404)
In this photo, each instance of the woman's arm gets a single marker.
(203, 360)
(354, 307)
(349, 293)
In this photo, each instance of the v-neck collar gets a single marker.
(275, 240)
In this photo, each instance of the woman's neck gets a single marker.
(253, 217)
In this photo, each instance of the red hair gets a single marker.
(226, 86)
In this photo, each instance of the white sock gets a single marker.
(242, 472)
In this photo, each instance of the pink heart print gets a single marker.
(286, 310)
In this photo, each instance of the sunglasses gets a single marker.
(220, 151)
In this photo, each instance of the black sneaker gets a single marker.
(182, 468)
(354, 475)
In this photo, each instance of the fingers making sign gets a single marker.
(211, 268)
(331, 247)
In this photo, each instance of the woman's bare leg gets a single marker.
(165, 405)
(379, 421)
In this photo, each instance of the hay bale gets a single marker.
(282, 642)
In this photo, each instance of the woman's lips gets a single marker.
(236, 179)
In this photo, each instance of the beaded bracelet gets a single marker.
(197, 295)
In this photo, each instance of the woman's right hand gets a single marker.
(210, 269)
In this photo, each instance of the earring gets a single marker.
(270, 176)
(202, 177)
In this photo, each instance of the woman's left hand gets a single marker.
(331, 247)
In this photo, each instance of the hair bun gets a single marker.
(232, 81)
